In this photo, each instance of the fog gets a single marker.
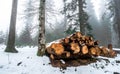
(55, 21)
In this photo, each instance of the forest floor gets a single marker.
(26, 62)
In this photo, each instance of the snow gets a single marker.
(26, 62)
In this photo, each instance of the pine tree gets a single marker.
(25, 37)
(2, 37)
(77, 17)
(117, 19)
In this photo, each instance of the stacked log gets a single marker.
(78, 46)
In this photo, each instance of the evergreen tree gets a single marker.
(117, 19)
(113, 7)
(77, 17)
(25, 37)
(2, 37)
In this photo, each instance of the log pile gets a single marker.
(78, 46)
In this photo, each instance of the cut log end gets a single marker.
(75, 47)
(78, 46)
(67, 54)
(58, 48)
(93, 51)
(78, 34)
(84, 49)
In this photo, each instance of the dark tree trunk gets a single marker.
(65, 17)
(41, 38)
(11, 38)
(81, 20)
(117, 19)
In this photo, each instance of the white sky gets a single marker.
(5, 7)
(5, 14)
(96, 4)
(5, 11)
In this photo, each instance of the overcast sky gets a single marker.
(5, 7)
(5, 11)
(5, 14)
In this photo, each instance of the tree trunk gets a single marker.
(41, 38)
(117, 19)
(81, 22)
(65, 17)
(11, 38)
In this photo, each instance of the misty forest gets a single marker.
(61, 33)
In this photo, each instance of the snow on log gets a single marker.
(77, 46)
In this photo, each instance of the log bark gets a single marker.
(110, 46)
(78, 46)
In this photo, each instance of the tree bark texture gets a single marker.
(117, 18)
(41, 39)
(11, 38)
(81, 22)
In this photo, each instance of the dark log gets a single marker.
(98, 50)
(112, 54)
(110, 46)
(96, 42)
(104, 51)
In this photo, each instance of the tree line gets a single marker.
(76, 18)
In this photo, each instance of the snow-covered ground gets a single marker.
(26, 62)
